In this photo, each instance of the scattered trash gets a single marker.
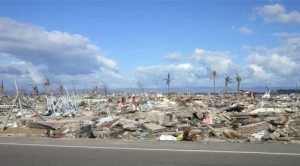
(167, 138)
(178, 117)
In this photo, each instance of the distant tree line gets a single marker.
(285, 91)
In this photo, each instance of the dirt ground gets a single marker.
(23, 131)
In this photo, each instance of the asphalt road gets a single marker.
(74, 152)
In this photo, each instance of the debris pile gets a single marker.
(63, 105)
(177, 117)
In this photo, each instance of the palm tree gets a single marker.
(228, 81)
(168, 80)
(239, 80)
(36, 90)
(213, 76)
(46, 85)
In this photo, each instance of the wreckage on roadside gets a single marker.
(180, 117)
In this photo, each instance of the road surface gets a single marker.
(28, 151)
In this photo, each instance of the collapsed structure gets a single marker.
(178, 117)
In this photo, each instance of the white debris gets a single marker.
(167, 138)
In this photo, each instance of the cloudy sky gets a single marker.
(125, 42)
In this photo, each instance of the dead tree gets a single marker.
(35, 91)
(95, 91)
(61, 89)
(2, 87)
(140, 87)
(46, 85)
(104, 88)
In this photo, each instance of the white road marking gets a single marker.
(152, 149)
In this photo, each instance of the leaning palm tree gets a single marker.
(213, 76)
(168, 80)
(239, 80)
(228, 81)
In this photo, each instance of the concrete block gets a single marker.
(153, 127)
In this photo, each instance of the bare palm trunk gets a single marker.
(214, 87)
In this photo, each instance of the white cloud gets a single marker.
(243, 30)
(107, 62)
(280, 63)
(259, 72)
(36, 75)
(198, 51)
(277, 66)
(30, 51)
(214, 60)
(185, 66)
(175, 56)
(277, 13)
(22, 71)
(290, 47)
(257, 58)
(286, 35)
(61, 52)
(181, 74)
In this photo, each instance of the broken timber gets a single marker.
(19, 100)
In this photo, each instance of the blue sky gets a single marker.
(123, 42)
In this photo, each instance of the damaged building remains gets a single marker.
(153, 116)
